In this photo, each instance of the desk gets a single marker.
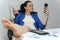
(54, 35)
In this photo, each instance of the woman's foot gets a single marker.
(15, 28)
(7, 24)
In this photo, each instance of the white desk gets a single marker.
(54, 35)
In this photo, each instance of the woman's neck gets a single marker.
(27, 13)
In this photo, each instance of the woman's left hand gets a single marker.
(46, 11)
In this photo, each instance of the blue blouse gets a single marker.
(38, 24)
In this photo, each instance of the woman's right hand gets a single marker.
(15, 12)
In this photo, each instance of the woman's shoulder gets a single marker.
(21, 13)
(34, 13)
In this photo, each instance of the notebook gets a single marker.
(40, 32)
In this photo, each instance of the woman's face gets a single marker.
(29, 7)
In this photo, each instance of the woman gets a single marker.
(27, 19)
(27, 13)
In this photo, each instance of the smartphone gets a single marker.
(45, 5)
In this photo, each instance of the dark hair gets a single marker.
(22, 9)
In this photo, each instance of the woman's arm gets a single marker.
(39, 23)
(46, 15)
(15, 12)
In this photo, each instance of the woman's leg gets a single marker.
(16, 29)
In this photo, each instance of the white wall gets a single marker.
(54, 12)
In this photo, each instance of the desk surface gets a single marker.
(54, 35)
(56, 30)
